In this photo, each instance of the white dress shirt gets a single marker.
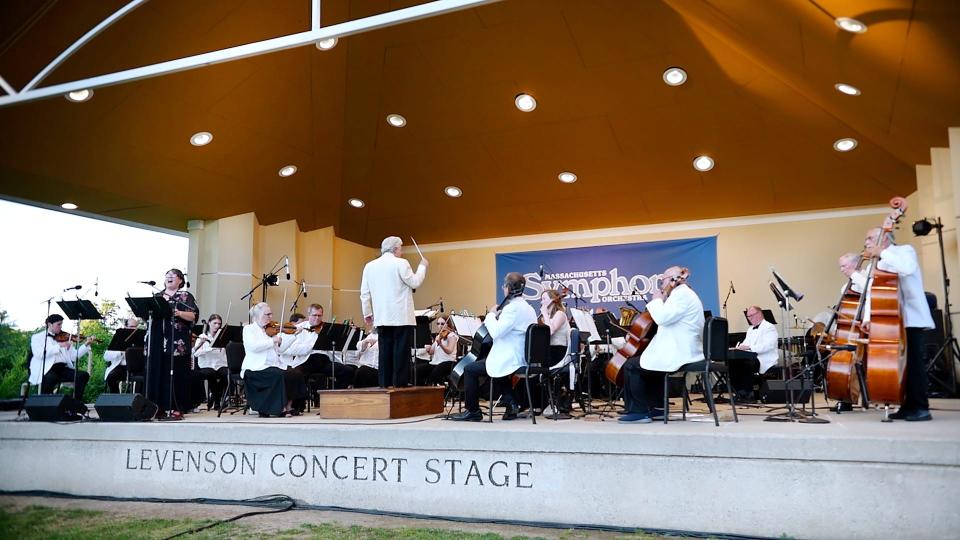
(439, 355)
(763, 341)
(210, 357)
(260, 352)
(114, 358)
(370, 356)
(56, 354)
(386, 290)
(509, 336)
(902, 260)
(679, 338)
(301, 349)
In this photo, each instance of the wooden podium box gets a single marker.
(381, 403)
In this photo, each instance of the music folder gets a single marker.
(124, 338)
(145, 306)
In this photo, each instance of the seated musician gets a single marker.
(902, 260)
(443, 355)
(317, 362)
(552, 314)
(270, 388)
(366, 374)
(59, 364)
(297, 356)
(508, 329)
(678, 312)
(761, 340)
(116, 371)
(849, 266)
(211, 364)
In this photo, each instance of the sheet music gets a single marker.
(466, 326)
(585, 323)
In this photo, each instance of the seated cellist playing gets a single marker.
(678, 312)
(902, 260)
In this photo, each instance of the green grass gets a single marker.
(37, 522)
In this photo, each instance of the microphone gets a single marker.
(732, 289)
(186, 282)
(441, 305)
(74, 288)
(540, 272)
(303, 287)
(287, 264)
(150, 283)
(96, 286)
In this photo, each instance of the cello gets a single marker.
(479, 348)
(886, 347)
(641, 332)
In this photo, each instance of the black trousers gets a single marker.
(471, 386)
(642, 389)
(60, 373)
(366, 377)
(394, 343)
(218, 382)
(915, 398)
(537, 390)
(158, 380)
(118, 375)
(743, 374)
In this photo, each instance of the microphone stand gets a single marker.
(729, 292)
(43, 362)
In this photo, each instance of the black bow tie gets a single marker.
(757, 326)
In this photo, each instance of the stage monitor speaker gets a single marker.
(774, 391)
(54, 408)
(124, 408)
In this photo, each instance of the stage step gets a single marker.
(381, 403)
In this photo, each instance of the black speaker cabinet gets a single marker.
(124, 408)
(775, 391)
(54, 408)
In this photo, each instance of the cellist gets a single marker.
(902, 260)
(678, 312)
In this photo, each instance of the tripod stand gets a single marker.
(949, 350)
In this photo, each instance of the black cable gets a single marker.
(290, 505)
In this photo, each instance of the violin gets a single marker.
(63, 337)
(273, 328)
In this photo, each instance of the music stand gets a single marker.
(149, 308)
(123, 339)
(421, 338)
(330, 335)
(607, 329)
(228, 334)
(79, 310)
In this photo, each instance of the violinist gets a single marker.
(678, 312)
(443, 354)
(902, 260)
(508, 329)
(368, 360)
(170, 342)
(54, 358)
(211, 363)
(117, 370)
(270, 387)
(310, 361)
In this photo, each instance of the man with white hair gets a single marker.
(386, 298)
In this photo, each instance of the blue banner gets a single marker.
(610, 276)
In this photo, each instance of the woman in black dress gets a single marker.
(170, 337)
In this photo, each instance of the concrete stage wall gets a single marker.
(751, 478)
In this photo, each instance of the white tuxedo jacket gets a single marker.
(386, 290)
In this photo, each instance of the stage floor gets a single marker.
(759, 478)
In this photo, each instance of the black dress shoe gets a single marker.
(467, 416)
(902, 414)
(844, 406)
(511, 412)
(919, 416)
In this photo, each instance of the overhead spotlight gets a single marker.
(289, 170)
(847, 89)
(396, 120)
(327, 44)
(850, 25)
(845, 145)
(703, 163)
(201, 139)
(79, 96)
(674, 76)
(453, 191)
(356, 203)
(567, 177)
(68, 206)
(525, 102)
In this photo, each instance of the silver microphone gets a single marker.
(287, 264)
(540, 272)
(732, 289)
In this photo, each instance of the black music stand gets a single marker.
(124, 338)
(608, 327)
(228, 334)
(330, 335)
(149, 308)
(421, 338)
(79, 310)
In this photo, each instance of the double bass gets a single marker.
(842, 379)
(641, 332)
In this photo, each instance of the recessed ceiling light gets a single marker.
(202, 138)
(703, 163)
(396, 120)
(847, 89)
(851, 25)
(567, 177)
(525, 102)
(68, 206)
(453, 191)
(79, 95)
(327, 44)
(356, 203)
(674, 76)
(845, 145)
(289, 170)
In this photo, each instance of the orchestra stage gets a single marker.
(854, 477)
